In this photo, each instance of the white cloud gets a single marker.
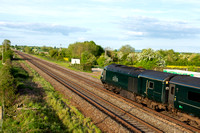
(41, 28)
(155, 28)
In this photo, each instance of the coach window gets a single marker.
(172, 90)
(194, 96)
(151, 85)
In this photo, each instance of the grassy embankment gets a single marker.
(61, 63)
(0, 71)
(39, 108)
(67, 65)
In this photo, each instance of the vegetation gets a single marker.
(40, 109)
(93, 55)
(32, 105)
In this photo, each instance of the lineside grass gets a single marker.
(29, 112)
(69, 115)
(61, 63)
(1, 64)
(39, 108)
(0, 93)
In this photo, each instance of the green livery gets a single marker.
(175, 91)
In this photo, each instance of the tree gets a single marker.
(126, 49)
(88, 58)
(104, 60)
(53, 53)
(78, 48)
(27, 49)
(6, 44)
(149, 59)
(6, 51)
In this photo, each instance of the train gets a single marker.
(154, 89)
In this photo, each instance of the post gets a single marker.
(2, 53)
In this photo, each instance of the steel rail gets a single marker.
(127, 124)
(128, 101)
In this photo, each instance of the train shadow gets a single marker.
(18, 59)
(32, 96)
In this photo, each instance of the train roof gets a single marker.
(125, 69)
(156, 75)
(186, 80)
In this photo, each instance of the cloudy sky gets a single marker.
(157, 24)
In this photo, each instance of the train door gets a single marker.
(150, 89)
(133, 84)
(171, 94)
(104, 75)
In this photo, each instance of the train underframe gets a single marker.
(195, 121)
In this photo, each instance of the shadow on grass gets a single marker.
(31, 103)
(18, 59)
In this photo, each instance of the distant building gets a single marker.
(75, 61)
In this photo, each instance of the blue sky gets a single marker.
(157, 24)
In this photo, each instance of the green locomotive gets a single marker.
(158, 90)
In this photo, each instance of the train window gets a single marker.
(194, 96)
(151, 85)
(172, 90)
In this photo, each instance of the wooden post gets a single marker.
(1, 117)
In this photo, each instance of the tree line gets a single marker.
(7, 82)
(91, 53)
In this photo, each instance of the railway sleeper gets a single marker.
(154, 105)
(189, 119)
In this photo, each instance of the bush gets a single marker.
(82, 67)
(7, 84)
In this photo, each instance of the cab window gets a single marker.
(151, 85)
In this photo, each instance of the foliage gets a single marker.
(7, 52)
(126, 49)
(149, 59)
(42, 109)
(53, 53)
(7, 84)
(82, 67)
(90, 53)
(7, 55)
(27, 50)
(88, 58)
(71, 118)
(6, 44)
(29, 113)
(76, 49)
(104, 60)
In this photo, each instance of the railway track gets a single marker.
(113, 109)
(131, 122)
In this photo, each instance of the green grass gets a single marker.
(1, 64)
(61, 63)
(0, 70)
(72, 120)
(30, 113)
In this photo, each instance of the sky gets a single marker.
(156, 24)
